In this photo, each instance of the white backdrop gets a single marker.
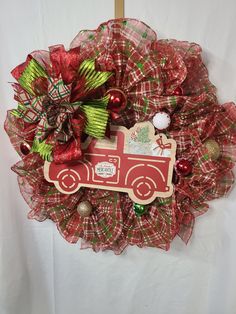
(42, 274)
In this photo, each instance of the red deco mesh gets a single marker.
(148, 71)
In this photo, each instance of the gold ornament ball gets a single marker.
(84, 209)
(213, 149)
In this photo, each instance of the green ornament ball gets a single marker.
(139, 209)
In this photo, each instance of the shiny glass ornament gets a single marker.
(139, 209)
(183, 167)
(25, 148)
(117, 100)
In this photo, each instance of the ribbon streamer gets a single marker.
(32, 71)
(93, 78)
(96, 117)
(44, 150)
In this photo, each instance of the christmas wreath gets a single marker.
(120, 75)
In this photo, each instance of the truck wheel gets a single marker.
(143, 188)
(68, 180)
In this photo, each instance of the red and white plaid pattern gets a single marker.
(59, 92)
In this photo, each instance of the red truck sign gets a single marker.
(134, 161)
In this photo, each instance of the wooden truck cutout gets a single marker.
(114, 164)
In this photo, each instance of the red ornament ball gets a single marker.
(178, 91)
(183, 167)
(117, 100)
(25, 148)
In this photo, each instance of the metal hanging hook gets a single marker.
(119, 9)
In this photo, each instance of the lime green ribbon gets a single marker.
(94, 78)
(33, 71)
(96, 117)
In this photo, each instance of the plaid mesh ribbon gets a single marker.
(148, 71)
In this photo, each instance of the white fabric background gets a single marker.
(39, 271)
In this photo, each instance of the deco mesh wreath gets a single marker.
(120, 74)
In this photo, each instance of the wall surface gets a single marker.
(39, 271)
